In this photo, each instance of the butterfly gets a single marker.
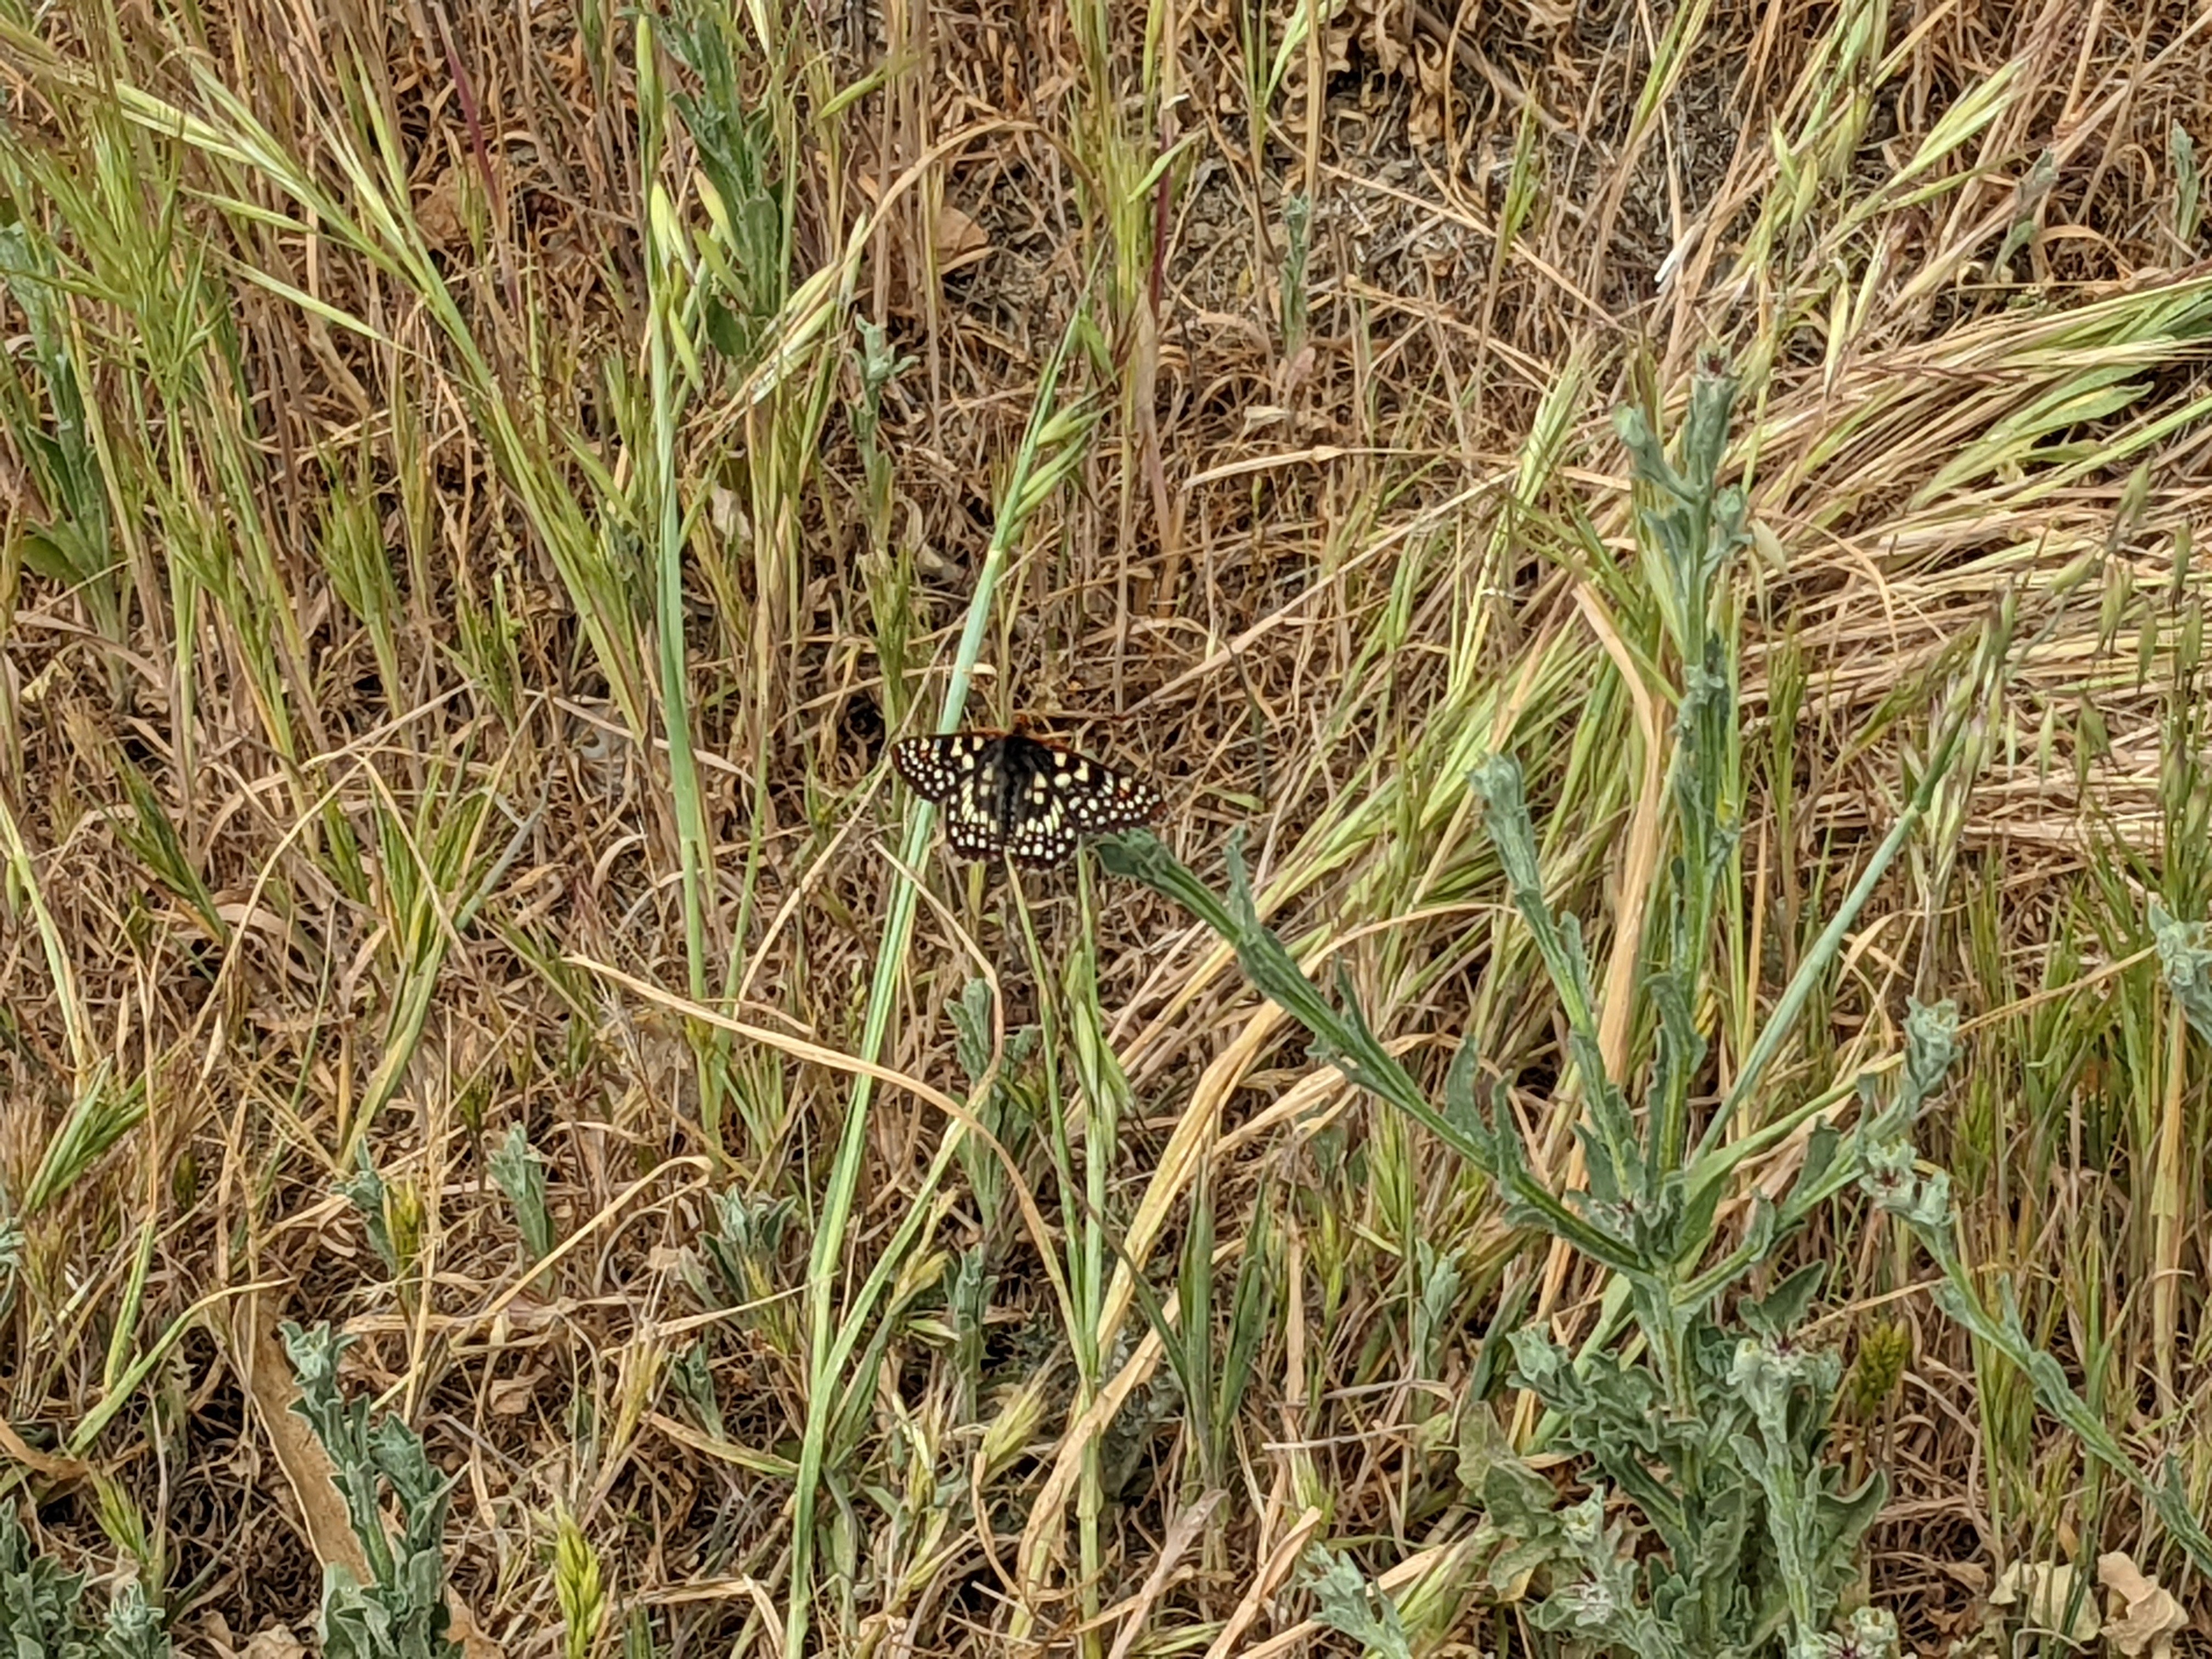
(1007, 792)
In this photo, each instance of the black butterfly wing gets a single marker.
(1013, 794)
(1059, 797)
(1037, 828)
(963, 773)
(1102, 799)
(975, 819)
(934, 768)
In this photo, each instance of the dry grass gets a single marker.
(399, 449)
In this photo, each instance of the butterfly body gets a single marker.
(1006, 792)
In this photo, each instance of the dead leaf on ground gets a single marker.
(960, 240)
(2042, 1590)
(276, 1642)
(2143, 1616)
(511, 1397)
(439, 213)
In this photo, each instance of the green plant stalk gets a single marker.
(578, 1588)
(740, 304)
(1190, 1345)
(518, 1171)
(665, 297)
(128, 1382)
(1924, 1205)
(1086, 1248)
(672, 314)
(134, 1301)
(148, 830)
(82, 1055)
(437, 883)
(1105, 1093)
(1051, 446)
(100, 1114)
(1791, 1003)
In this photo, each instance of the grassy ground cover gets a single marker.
(481, 487)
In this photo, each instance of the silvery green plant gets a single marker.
(1345, 1602)
(1003, 1108)
(692, 1376)
(1714, 1521)
(42, 1614)
(1721, 1455)
(400, 1612)
(745, 1250)
(519, 1172)
(365, 1189)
